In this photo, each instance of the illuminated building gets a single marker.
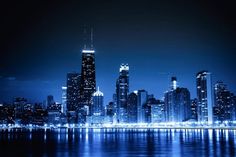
(157, 110)
(88, 77)
(73, 91)
(223, 106)
(204, 96)
(97, 106)
(122, 90)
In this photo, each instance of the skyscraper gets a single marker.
(177, 104)
(122, 90)
(132, 105)
(73, 91)
(222, 99)
(204, 96)
(97, 106)
(142, 99)
(88, 77)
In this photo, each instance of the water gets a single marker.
(117, 142)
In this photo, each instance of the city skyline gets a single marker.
(118, 78)
(108, 96)
(155, 36)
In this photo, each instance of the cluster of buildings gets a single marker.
(82, 103)
(213, 104)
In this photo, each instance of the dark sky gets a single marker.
(42, 41)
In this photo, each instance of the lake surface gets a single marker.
(117, 142)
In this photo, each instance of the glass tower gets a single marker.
(73, 91)
(204, 96)
(122, 90)
(97, 107)
(88, 77)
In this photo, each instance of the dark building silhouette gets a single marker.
(50, 101)
(132, 107)
(177, 104)
(122, 90)
(142, 100)
(110, 109)
(19, 105)
(147, 110)
(73, 91)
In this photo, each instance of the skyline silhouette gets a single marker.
(43, 42)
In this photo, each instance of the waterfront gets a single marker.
(117, 142)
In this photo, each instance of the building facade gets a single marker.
(223, 106)
(157, 111)
(142, 100)
(88, 78)
(122, 90)
(204, 96)
(97, 106)
(73, 91)
(177, 104)
(132, 107)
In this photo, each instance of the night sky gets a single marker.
(42, 41)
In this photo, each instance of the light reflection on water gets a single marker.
(118, 142)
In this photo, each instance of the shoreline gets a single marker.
(124, 128)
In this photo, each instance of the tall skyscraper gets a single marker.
(73, 91)
(122, 90)
(88, 77)
(204, 96)
(97, 106)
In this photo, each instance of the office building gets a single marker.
(73, 97)
(97, 106)
(122, 90)
(204, 96)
